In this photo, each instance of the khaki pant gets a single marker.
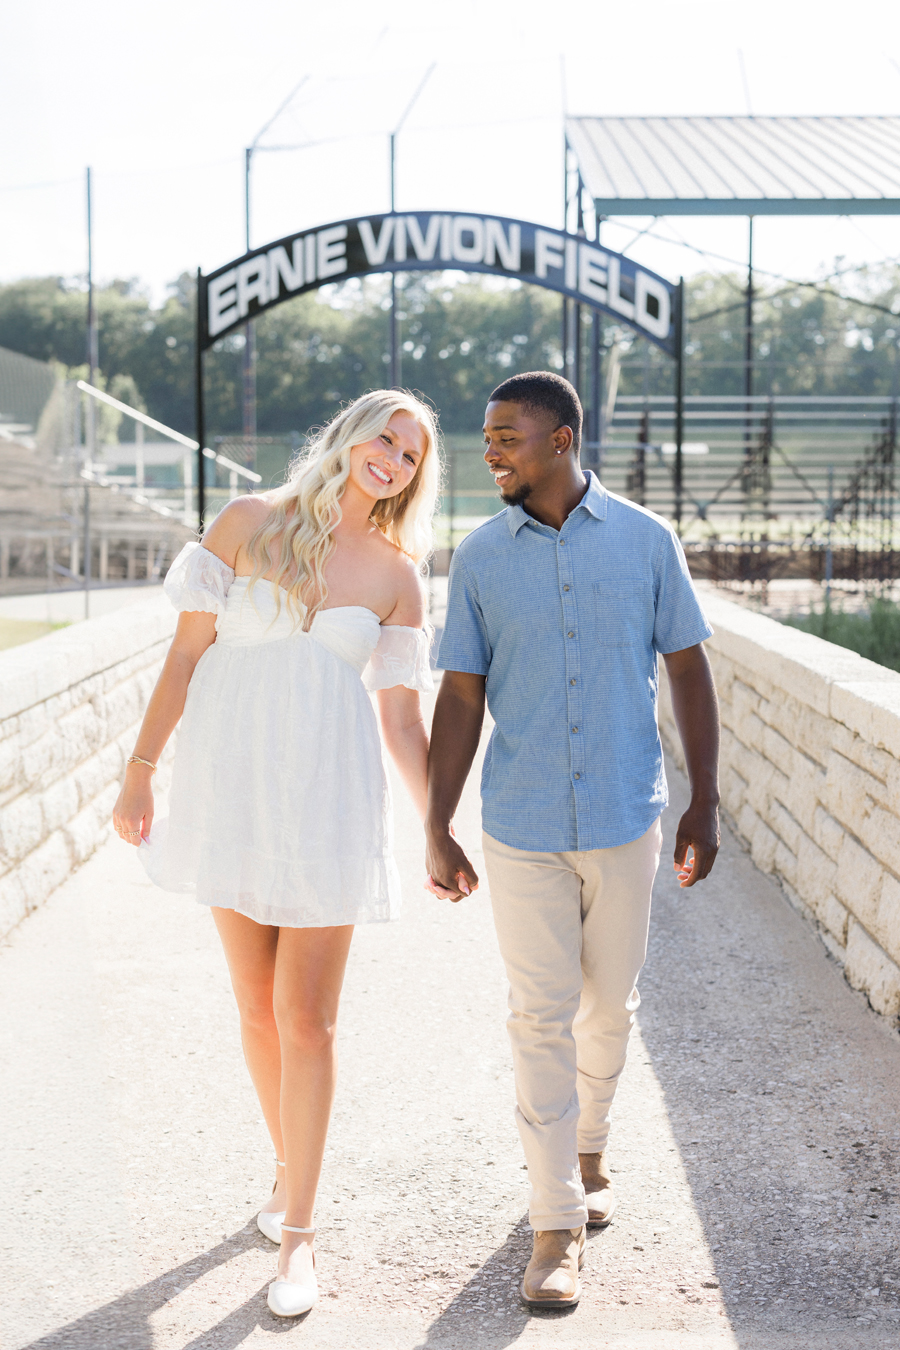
(572, 929)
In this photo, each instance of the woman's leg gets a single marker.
(250, 950)
(309, 973)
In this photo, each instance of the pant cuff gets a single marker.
(595, 1145)
(545, 1223)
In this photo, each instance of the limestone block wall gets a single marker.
(811, 780)
(70, 706)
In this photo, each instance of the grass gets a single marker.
(13, 632)
(875, 635)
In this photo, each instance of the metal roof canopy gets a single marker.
(738, 166)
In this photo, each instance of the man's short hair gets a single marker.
(541, 390)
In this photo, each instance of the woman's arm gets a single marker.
(133, 811)
(404, 734)
(400, 709)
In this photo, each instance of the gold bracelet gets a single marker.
(136, 759)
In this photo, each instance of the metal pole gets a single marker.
(91, 426)
(395, 335)
(748, 345)
(679, 402)
(564, 317)
(578, 354)
(396, 355)
(829, 556)
(593, 457)
(199, 418)
(248, 358)
(748, 376)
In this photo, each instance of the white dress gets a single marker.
(279, 806)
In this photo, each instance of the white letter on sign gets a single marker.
(332, 251)
(470, 253)
(376, 249)
(592, 272)
(617, 301)
(282, 269)
(646, 291)
(252, 283)
(571, 263)
(222, 307)
(509, 250)
(424, 247)
(547, 252)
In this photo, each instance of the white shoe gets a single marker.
(269, 1221)
(287, 1299)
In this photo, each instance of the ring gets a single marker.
(123, 833)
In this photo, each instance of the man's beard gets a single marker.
(518, 496)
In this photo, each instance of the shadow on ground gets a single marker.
(782, 1090)
(489, 1306)
(125, 1322)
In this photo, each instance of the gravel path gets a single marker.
(756, 1138)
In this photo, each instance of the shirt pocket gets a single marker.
(622, 612)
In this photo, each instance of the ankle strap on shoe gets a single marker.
(286, 1228)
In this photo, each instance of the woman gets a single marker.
(297, 602)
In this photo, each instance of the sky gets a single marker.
(160, 100)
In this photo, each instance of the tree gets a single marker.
(460, 337)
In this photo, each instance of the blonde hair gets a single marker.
(306, 508)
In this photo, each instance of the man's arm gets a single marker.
(696, 710)
(455, 731)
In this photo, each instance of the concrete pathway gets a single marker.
(755, 1145)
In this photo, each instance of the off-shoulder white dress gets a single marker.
(279, 806)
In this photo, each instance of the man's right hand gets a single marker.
(450, 873)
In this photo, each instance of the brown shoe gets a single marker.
(551, 1276)
(598, 1189)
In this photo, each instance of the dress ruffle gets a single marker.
(401, 656)
(198, 581)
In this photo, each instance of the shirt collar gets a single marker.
(594, 502)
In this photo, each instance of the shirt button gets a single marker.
(562, 543)
(571, 682)
(574, 728)
(570, 634)
(565, 588)
(578, 775)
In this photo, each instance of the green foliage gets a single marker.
(459, 339)
(875, 635)
(805, 341)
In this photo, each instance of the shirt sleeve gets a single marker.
(198, 581)
(400, 657)
(680, 621)
(464, 643)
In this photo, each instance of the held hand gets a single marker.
(450, 874)
(698, 834)
(133, 811)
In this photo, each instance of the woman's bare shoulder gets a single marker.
(235, 526)
(409, 609)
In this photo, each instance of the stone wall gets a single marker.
(70, 707)
(811, 780)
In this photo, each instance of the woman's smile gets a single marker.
(380, 475)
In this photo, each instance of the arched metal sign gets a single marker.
(424, 241)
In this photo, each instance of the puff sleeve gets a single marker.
(400, 657)
(198, 580)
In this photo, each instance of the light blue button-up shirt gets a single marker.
(566, 626)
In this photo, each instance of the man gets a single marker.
(557, 609)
